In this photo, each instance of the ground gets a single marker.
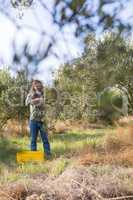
(79, 157)
(66, 148)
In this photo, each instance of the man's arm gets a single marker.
(36, 101)
(28, 99)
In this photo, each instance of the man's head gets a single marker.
(37, 85)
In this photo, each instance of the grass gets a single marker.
(65, 147)
(7, 152)
(72, 143)
(99, 158)
(115, 149)
(88, 147)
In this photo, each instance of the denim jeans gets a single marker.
(35, 127)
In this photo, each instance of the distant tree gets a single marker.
(12, 97)
(5, 110)
(113, 64)
(76, 97)
(106, 62)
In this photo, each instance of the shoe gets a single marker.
(48, 156)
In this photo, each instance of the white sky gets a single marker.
(37, 18)
(7, 32)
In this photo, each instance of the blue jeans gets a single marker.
(35, 127)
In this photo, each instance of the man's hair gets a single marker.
(34, 82)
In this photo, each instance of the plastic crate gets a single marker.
(30, 156)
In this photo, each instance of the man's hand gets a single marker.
(37, 101)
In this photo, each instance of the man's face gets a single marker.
(38, 86)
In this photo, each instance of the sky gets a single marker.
(67, 46)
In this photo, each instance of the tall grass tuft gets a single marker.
(116, 148)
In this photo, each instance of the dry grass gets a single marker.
(61, 126)
(14, 191)
(78, 125)
(121, 140)
(124, 158)
(13, 128)
(125, 121)
(73, 184)
(116, 148)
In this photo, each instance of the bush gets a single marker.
(112, 104)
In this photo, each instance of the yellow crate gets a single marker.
(29, 156)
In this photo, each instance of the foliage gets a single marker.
(113, 103)
(106, 62)
(12, 96)
(76, 97)
(5, 80)
(114, 65)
